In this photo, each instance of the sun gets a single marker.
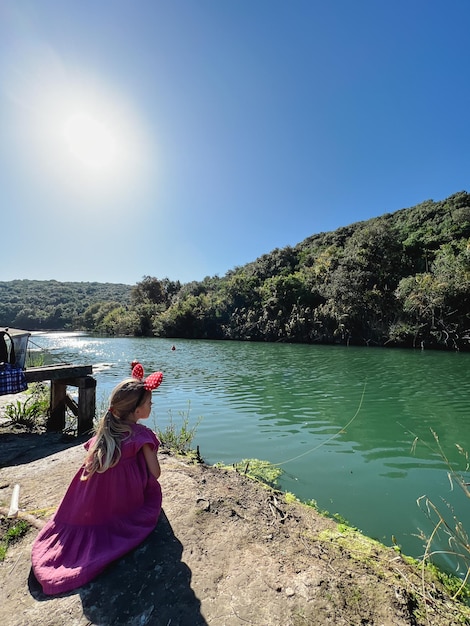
(91, 141)
(81, 140)
(81, 135)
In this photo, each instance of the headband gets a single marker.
(151, 382)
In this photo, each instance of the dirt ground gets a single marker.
(226, 551)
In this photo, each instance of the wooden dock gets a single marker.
(62, 376)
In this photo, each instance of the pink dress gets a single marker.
(100, 519)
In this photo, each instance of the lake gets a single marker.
(340, 421)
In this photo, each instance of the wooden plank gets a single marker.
(56, 372)
(83, 381)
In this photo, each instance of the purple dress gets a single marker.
(100, 519)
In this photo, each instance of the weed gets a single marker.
(290, 498)
(32, 413)
(179, 437)
(34, 358)
(15, 529)
(314, 505)
(445, 523)
(343, 521)
(264, 471)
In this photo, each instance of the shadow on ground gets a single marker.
(150, 585)
(18, 448)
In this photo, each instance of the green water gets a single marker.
(340, 421)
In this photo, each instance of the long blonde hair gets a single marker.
(114, 426)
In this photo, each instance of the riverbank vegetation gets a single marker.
(447, 528)
(402, 279)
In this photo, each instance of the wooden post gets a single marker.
(56, 421)
(86, 404)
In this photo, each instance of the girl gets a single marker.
(114, 500)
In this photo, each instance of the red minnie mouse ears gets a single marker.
(151, 382)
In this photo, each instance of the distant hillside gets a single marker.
(49, 304)
(401, 279)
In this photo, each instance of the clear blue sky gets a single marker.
(183, 138)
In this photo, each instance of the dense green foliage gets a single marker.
(399, 279)
(52, 305)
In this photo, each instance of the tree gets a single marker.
(149, 290)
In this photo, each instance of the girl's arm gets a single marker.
(150, 456)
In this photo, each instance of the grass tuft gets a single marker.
(178, 437)
(33, 411)
(264, 471)
(11, 530)
(447, 530)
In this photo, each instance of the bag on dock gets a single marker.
(12, 376)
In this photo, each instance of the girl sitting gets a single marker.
(113, 502)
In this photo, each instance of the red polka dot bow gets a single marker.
(151, 382)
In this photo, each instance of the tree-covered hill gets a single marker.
(399, 279)
(49, 304)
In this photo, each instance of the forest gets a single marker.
(53, 305)
(401, 279)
